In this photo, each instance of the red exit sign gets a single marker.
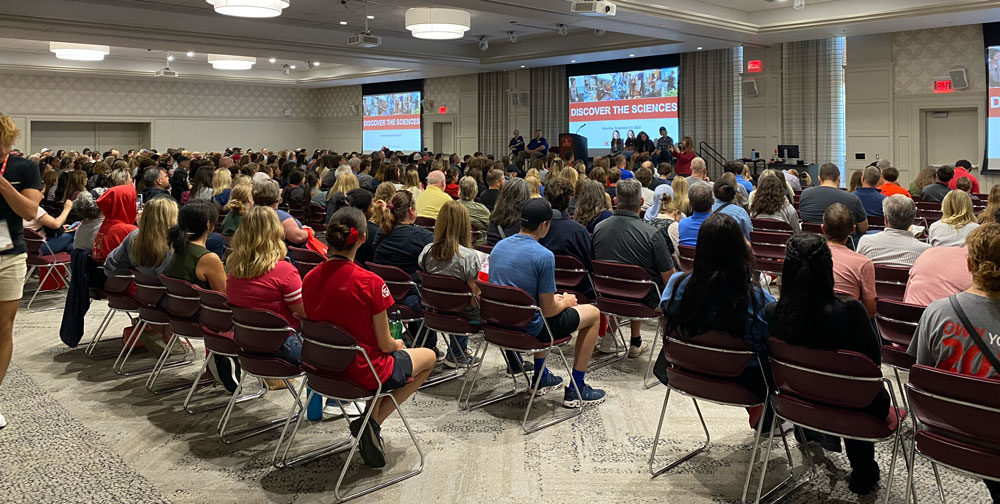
(943, 86)
(755, 66)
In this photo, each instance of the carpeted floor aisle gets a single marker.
(79, 433)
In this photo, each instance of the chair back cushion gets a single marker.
(444, 293)
(258, 331)
(506, 307)
(182, 300)
(148, 290)
(397, 280)
(622, 281)
(838, 378)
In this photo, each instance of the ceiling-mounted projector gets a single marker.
(593, 8)
(167, 72)
(364, 39)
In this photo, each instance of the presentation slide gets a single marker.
(993, 120)
(391, 120)
(604, 104)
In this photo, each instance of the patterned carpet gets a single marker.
(79, 433)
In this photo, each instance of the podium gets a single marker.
(571, 144)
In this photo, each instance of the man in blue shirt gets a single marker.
(869, 194)
(725, 196)
(537, 147)
(701, 199)
(736, 168)
(516, 145)
(520, 261)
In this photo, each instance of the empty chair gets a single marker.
(890, 281)
(425, 222)
(572, 276)
(304, 259)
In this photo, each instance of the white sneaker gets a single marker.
(332, 410)
(608, 345)
(635, 351)
(3, 421)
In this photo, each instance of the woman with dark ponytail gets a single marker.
(809, 314)
(339, 291)
(725, 203)
(192, 261)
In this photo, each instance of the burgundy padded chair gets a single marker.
(216, 319)
(890, 282)
(506, 311)
(823, 390)
(326, 351)
(955, 418)
(116, 292)
(42, 259)
(425, 222)
(897, 321)
(227, 246)
(316, 217)
(771, 226)
(929, 214)
(777, 238)
(621, 289)
(768, 257)
(258, 335)
(444, 298)
(876, 223)
(928, 205)
(685, 254)
(486, 249)
(304, 259)
(149, 293)
(183, 304)
(706, 367)
(812, 227)
(399, 284)
(572, 276)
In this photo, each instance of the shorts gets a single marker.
(13, 268)
(562, 325)
(402, 371)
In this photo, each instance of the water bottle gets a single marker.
(314, 410)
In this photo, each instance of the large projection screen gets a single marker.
(392, 121)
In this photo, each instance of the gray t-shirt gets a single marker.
(465, 265)
(942, 341)
(815, 201)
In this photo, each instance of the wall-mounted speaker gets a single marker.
(750, 88)
(959, 80)
(426, 104)
(353, 109)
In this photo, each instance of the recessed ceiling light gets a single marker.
(272, 60)
(370, 17)
(292, 67)
(170, 57)
(79, 52)
(343, 23)
(572, 61)
(315, 63)
(190, 54)
(227, 62)
(700, 48)
(249, 8)
(522, 66)
(631, 55)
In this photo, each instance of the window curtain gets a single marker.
(813, 107)
(549, 103)
(710, 104)
(494, 101)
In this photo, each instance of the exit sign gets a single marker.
(443, 109)
(755, 66)
(943, 86)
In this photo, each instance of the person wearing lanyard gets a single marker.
(20, 189)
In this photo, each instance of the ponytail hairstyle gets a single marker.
(339, 231)
(397, 207)
(194, 220)
(384, 193)
(240, 199)
(804, 310)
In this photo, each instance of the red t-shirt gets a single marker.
(452, 190)
(342, 293)
(273, 291)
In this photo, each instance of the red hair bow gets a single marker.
(353, 237)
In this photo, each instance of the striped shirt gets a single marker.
(892, 247)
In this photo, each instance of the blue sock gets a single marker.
(578, 378)
(539, 366)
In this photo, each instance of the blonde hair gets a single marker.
(151, 244)
(534, 186)
(956, 209)
(242, 180)
(680, 188)
(411, 179)
(345, 183)
(451, 230)
(8, 132)
(992, 205)
(569, 174)
(984, 256)
(221, 180)
(258, 245)
(241, 199)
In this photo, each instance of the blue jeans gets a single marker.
(57, 244)
(291, 351)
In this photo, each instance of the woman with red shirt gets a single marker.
(683, 156)
(338, 291)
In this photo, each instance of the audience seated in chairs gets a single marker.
(593, 204)
(240, 201)
(726, 202)
(451, 254)
(958, 219)
(869, 194)
(361, 292)
(520, 261)
(896, 245)
(626, 238)
(720, 293)
(770, 201)
(689, 228)
(992, 207)
(941, 340)
(362, 200)
(90, 221)
(430, 201)
(479, 215)
(937, 190)
(57, 239)
(118, 206)
(815, 200)
(812, 315)
(193, 262)
(399, 243)
(506, 217)
(939, 272)
(566, 236)
(853, 273)
(495, 181)
(266, 193)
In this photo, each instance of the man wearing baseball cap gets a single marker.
(520, 261)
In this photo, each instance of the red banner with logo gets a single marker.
(994, 102)
(392, 122)
(611, 110)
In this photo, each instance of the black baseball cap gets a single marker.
(536, 211)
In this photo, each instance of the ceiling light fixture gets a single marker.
(292, 67)
(170, 57)
(343, 23)
(700, 48)
(227, 62)
(272, 60)
(799, 4)
(437, 24)
(190, 54)
(249, 8)
(370, 17)
(79, 52)
(631, 55)
(572, 61)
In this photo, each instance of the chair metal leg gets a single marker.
(439, 378)
(89, 350)
(336, 447)
(753, 454)
(253, 430)
(766, 456)
(496, 398)
(656, 440)
(937, 478)
(652, 360)
(162, 364)
(892, 464)
(621, 346)
(41, 281)
(534, 392)
(475, 355)
(288, 420)
(214, 406)
(910, 469)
